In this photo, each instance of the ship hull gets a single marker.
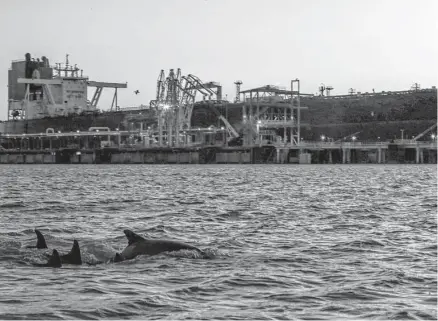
(376, 117)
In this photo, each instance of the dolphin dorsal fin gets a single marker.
(41, 241)
(132, 237)
(55, 260)
(74, 256)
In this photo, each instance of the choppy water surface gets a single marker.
(284, 242)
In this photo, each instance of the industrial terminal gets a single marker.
(52, 121)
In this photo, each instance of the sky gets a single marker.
(362, 44)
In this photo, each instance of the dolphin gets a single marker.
(54, 261)
(138, 245)
(41, 241)
(73, 257)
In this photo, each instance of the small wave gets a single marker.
(13, 205)
(229, 215)
(91, 291)
(360, 244)
(52, 202)
(129, 200)
(401, 315)
(334, 308)
(30, 316)
(188, 202)
(253, 282)
(373, 216)
(159, 228)
(13, 233)
(207, 290)
(431, 247)
(292, 298)
(12, 301)
(351, 295)
(82, 315)
(387, 283)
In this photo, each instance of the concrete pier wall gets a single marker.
(392, 154)
(4, 159)
(49, 159)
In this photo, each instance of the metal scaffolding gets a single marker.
(174, 102)
(269, 112)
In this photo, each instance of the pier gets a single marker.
(263, 125)
(102, 146)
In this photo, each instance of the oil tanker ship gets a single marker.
(42, 96)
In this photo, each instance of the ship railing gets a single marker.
(382, 93)
(317, 144)
(366, 142)
(412, 142)
(141, 107)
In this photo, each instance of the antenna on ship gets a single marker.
(415, 87)
(351, 91)
(237, 83)
(66, 64)
(321, 89)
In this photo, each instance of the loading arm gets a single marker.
(230, 129)
(351, 135)
(425, 132)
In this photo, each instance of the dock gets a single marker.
(128, 147)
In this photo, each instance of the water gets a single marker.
(283, 242)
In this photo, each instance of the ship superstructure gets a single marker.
(38, 90)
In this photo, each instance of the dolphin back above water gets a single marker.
(54, 261)
(138, 245)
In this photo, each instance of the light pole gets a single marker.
(402, 131)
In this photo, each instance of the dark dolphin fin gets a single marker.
(132, 237)
(74, 256)
(118, 258)
(41, 241)
(54, 261)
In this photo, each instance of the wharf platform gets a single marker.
(398, 152)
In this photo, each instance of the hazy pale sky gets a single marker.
(366, 44)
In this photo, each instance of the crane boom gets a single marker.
(337, 141)
(425, 132)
